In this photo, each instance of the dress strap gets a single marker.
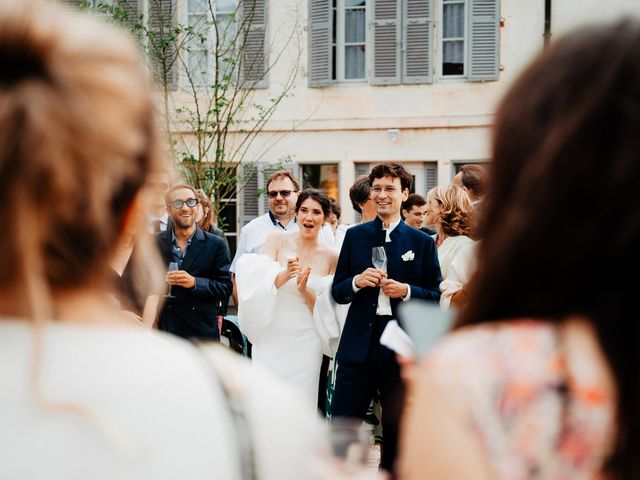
(235, 403)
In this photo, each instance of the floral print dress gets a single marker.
(533, 420)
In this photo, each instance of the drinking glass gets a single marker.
(289, 247)
(351, 443)
(173, 266)
(379, 258)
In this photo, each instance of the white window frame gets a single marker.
(439, 54)
(210, 45)
(341, 44)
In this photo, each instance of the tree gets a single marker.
(212, 72)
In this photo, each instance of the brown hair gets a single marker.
(413, 199)
(393, 170)
(565, 163)
(284, 174)
(77, 140)
(474, 178)
(360, 192)
(456, 217)
(207, 219)
(179, 186)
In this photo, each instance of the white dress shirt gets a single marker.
(384, 302)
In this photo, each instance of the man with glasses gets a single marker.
(282, 192)
(409, 269)
(202, 278)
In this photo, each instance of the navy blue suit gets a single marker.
(192, 313)
(364, 365)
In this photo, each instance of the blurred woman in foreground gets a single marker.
(540, 379)
(86, 394)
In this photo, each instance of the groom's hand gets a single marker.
(370, 277)
(393, 289)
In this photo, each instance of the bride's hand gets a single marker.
(293, 266)
(301, 280)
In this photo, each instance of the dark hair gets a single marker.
(335, 207)
(360, 192)
(393, 170)
(179, 186)
(317, 195)
(284, 174)
(474, 178)
(565, 163)
(414, 199)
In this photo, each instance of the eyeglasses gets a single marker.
(191, 202)
(284, 193)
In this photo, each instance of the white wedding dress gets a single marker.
(287, 337)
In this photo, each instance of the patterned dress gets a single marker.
(534, 420)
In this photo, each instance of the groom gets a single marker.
(412, 272)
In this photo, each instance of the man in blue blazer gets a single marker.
(202, 280)
(412, 271)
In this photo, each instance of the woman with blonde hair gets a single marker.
(85, 393)
(450, 212)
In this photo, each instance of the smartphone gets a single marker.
(425, 322)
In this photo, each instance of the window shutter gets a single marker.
(484, 40)
(362, 169)
(132, 10)
(249, 196)
(73, 3)
(417, 64)
(266, 171)
(320, 51)
(253, 68)
(386, 36)
(161, 45)
(430, 176)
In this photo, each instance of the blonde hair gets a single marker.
(77, 141)
(456, 215)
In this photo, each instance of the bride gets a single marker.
(286, 309)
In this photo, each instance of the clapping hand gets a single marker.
(293, 266)
(302, 278)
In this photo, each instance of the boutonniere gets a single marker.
(408, 256)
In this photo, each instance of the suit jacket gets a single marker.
(422, 273)
(192, 313)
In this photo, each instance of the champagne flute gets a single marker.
(173, 266)
(289, 247)
(351, 443)
(379, 258)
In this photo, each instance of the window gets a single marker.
(398, 44)
(205, 32)
(349, 40)
(323, 177)
(453, 34)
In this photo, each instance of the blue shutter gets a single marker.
(253, 64)
(484, 40)
(320, 50)
(386, 35)
(417, 53)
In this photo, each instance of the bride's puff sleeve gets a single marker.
(255, 277)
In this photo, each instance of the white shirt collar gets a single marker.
(391, 228)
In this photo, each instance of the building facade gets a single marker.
(409, 81)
